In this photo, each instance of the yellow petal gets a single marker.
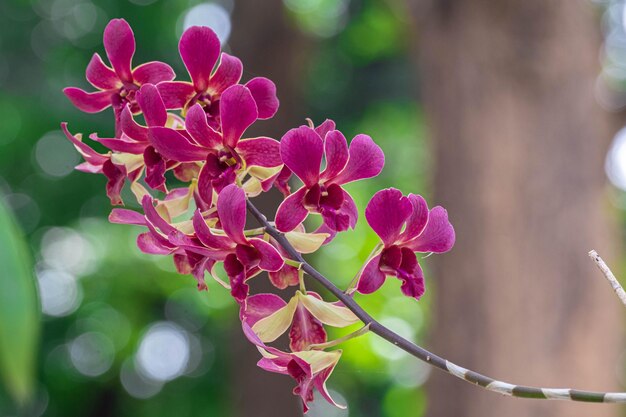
(129, 160)
(306, 242)
(271, 327)
(252, 187)
(263, 173)
(327, 313)
(319, 359)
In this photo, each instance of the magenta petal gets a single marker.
(115, 182)
(175, 146)
(88, 102)
(121, 144)
(119, 43)
(199, 48)
(152, 105)
(228, 73)
(176, 94)
(155, 169)
(416, 222)
(291, 211)
(124, 216)
(197, 126)
(264, 93)
(270, 258)
(327, 126)
(306, 330)
(100, 75)
(131, 128)
(263, 152)
(155, 218)
(153, 73)
(301, 149)
(348, 207)
(237, 112)
(438, 235)
(259, 306)
(413, 285)
(91, 156)
(284, 277)
(366, 160)
(231, 209)
(336, 151)
(371, 277)
(147, 243)
(386, 213)
(206, 237)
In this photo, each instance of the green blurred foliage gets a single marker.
(19, 311)
(360, 74)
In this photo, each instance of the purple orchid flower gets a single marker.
(405, 226)
(97, 163)
(251, 255)
(225, 153)
(310, 369)
(199, 48)
(117, 86)
(302, 150)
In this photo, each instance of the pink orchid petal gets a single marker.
(119, 44)
(270, 258)
(418, 219)
(264, 93)
(336, 151)
(151, 105)
(301, 150)
(89, 168)
(291, 211)
(199, 129)
(155, 169)
(231, 209)
(175, 146)
(176, 94)
(236, 274)
(115, 182)
(91, 156)
(203, 232)
(413, 285)
(120, 145)
(88, 102)
(125, 216)
(319, 381)
(305, 330)
(153, 72)
(199, 48)
(284, 277)
(371, 278)
(237, 112)
(131, 128)
(327, 126)
(438, 235)
(227, 73)
(154, 217)
(262, 151)
(148, 243)
(100, 75)
(386, 213)
(366, 160)
(259, 306)
(349, 208)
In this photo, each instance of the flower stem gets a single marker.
(301, 280)
(419, 352)
(320, 346)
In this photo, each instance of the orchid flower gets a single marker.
(302, 150)
(251, 255)
(405, 226)
(117, 86)
(310, 369)
(199, 48)
(224, 153)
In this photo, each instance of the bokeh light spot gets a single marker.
(212, 15)
(92, 353)
(163, 352)
(59, 292)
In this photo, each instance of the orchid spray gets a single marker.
(197, 131)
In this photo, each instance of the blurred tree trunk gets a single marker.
(508, 86)
(269, 46)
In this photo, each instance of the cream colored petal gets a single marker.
(306, 242)
(271, 327)
(327, 313)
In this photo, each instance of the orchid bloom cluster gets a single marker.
(193, 134)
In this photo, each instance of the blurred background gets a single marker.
(507, 113)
